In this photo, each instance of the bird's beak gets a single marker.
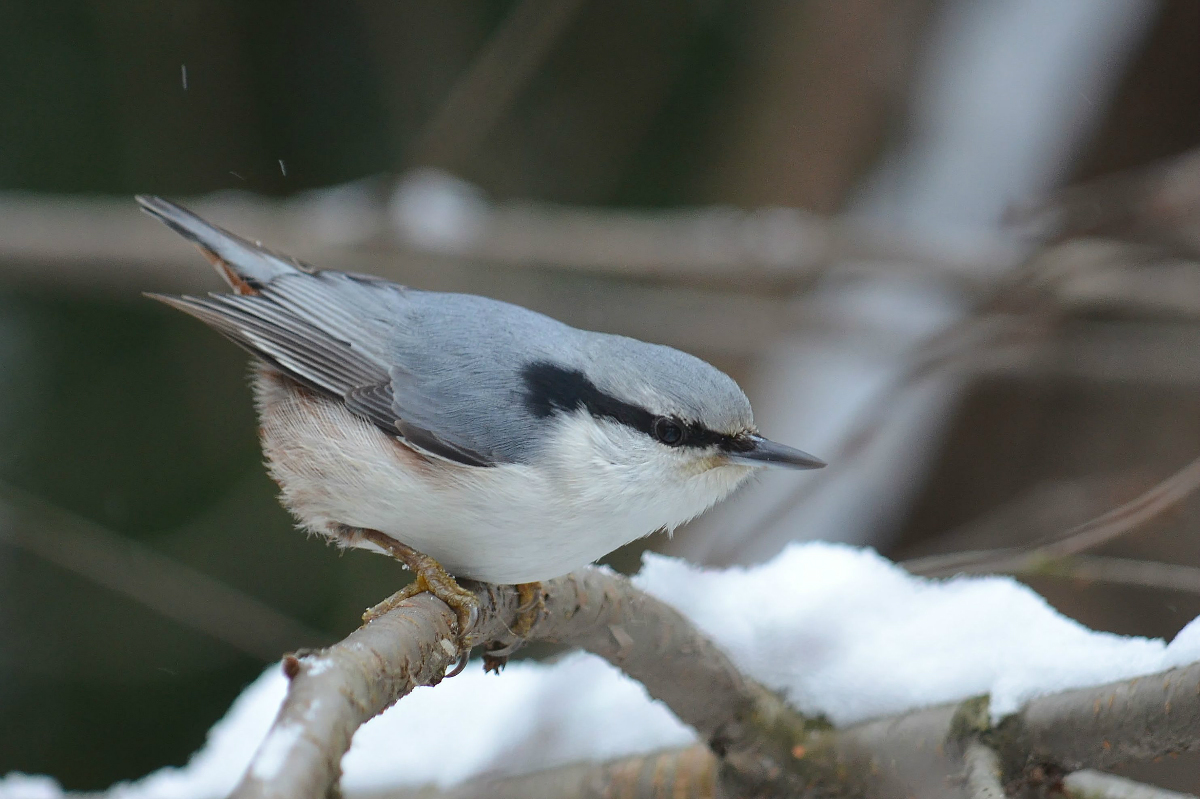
(768, 453)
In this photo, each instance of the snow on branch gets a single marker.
(762, 746)
(933, 752)
(840, 633)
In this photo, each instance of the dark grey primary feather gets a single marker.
(447, 373)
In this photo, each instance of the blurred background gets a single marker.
(948, 245)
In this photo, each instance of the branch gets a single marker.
(983, 772)
(1102, 569)
(156, 581)
(479, 98)
(764, 747)
(335, 690)
(1088, 784)
(1093, 533)
(1095, 728)
(770, 250)
(689, 773)
(913, 754)
(1099, 728)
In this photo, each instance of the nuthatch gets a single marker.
(502, 444)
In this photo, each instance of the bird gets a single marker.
(465, 436)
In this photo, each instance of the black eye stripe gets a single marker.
(550, 389)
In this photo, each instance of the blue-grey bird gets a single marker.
(502, 444)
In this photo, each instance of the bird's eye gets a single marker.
(668, 431)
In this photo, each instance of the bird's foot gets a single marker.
(431, 577)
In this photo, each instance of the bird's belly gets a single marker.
(503, 524)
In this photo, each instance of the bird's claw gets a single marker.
(432, 578)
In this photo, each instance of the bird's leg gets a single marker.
(431, 577)
(533, 605)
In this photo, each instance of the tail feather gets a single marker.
(246, 267)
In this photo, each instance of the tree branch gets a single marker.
(913, 754)
(1088, 784)
(1098, 728)
(689, 773)
(156, 581)
(983, 772)
(765, 748)
(335, 690)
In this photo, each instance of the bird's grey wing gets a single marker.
(328, 331)
(333, 332)
(377, 402)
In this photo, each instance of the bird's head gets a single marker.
(655, 415)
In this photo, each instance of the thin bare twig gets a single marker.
(1129, 516)
(1090, 568)
(504, 67)
(1050, 557)
(930, 358)
(158, 582)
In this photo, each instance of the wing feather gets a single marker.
(303, 344)
(439, 371)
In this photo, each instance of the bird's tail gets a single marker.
(245, 266)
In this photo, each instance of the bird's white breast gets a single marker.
(598, 486)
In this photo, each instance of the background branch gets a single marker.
(1062, 552)
(150, 578)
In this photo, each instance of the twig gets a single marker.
(1092, 568)
(1129, 516)
(480, 96)
(1103, 529)
(1088, 784)
(689, 773)
(1158, 203)
(982, 772)
(758, 250)
(158, 582)
(335, 690)
(930, 358)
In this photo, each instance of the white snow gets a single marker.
(845, 632)
(25, 786)
(841, 631)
